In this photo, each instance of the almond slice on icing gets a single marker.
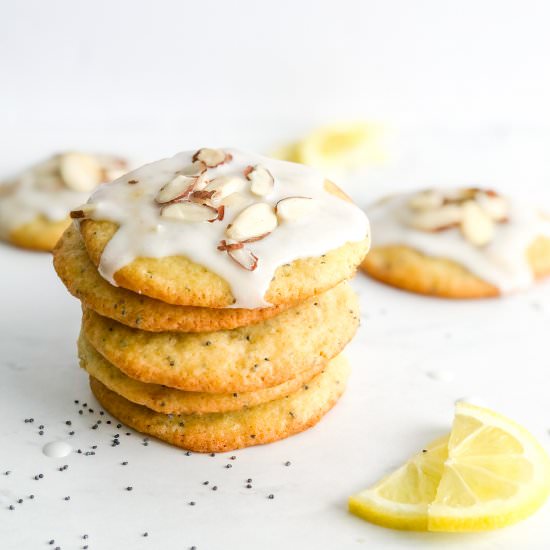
(190, 212)
(244, 257)
(228, 244)
(477, 227)
(261, 180)
(80, 172)
(224, 186)
(201, 196)
(294, 208)
(178, 188)
(444, 217)
(221, 213)
(258, 220)
(426, 200)
(211, 157)
(461, 195)
(197, 168)
(236, 201)
(82, 211)
(495, 206)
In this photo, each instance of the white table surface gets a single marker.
(494, 350)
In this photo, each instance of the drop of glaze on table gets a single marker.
(441, 375)
(57, 449)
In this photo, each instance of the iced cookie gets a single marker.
(82, 280)
(218, 432)
(458, 243)
(172, 401)
(222, 228)
(244, 359)
(35, 206)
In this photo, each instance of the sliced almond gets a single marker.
(262, 181)
(112, 174)
(178, 188)
(228, 244)
(197, 168)
(495, 206)
(236, 201)
(190, 212)
(477, 227)
(201, 196)
(426, 200)
(294, 208)
(211, 157)
(255, 221)
(244, 258)
(461, 195)
(447, 216)
(80, 172)
(221, 213)
(224, 186)
(82, 211)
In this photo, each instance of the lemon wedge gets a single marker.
(488, 473)
(343, 146)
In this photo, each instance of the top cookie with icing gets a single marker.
(461, 243)
(222, 228)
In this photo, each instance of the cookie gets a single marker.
(239, 360)
(219, 432)
(408, 269)
(224, 228)
(171, 401)
(35, 205)
(84, 282)
(461, 243)
(39, 234)
(178, 281)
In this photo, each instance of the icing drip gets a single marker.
(143, 232)
(502, 262)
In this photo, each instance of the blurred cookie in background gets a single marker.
(457, 243)
(35, 205)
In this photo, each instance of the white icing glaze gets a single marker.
(57, 449)
(144, 233)
(40, 191)
(502, 262)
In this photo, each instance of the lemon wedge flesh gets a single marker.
(488, 473)
(343, 146)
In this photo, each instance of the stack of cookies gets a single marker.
(215, 296)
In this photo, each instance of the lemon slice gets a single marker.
(488, 473)
(343, 146)
(401, 499)
(496, 474)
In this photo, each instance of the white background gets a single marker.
(464, 84)
(152, 77)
